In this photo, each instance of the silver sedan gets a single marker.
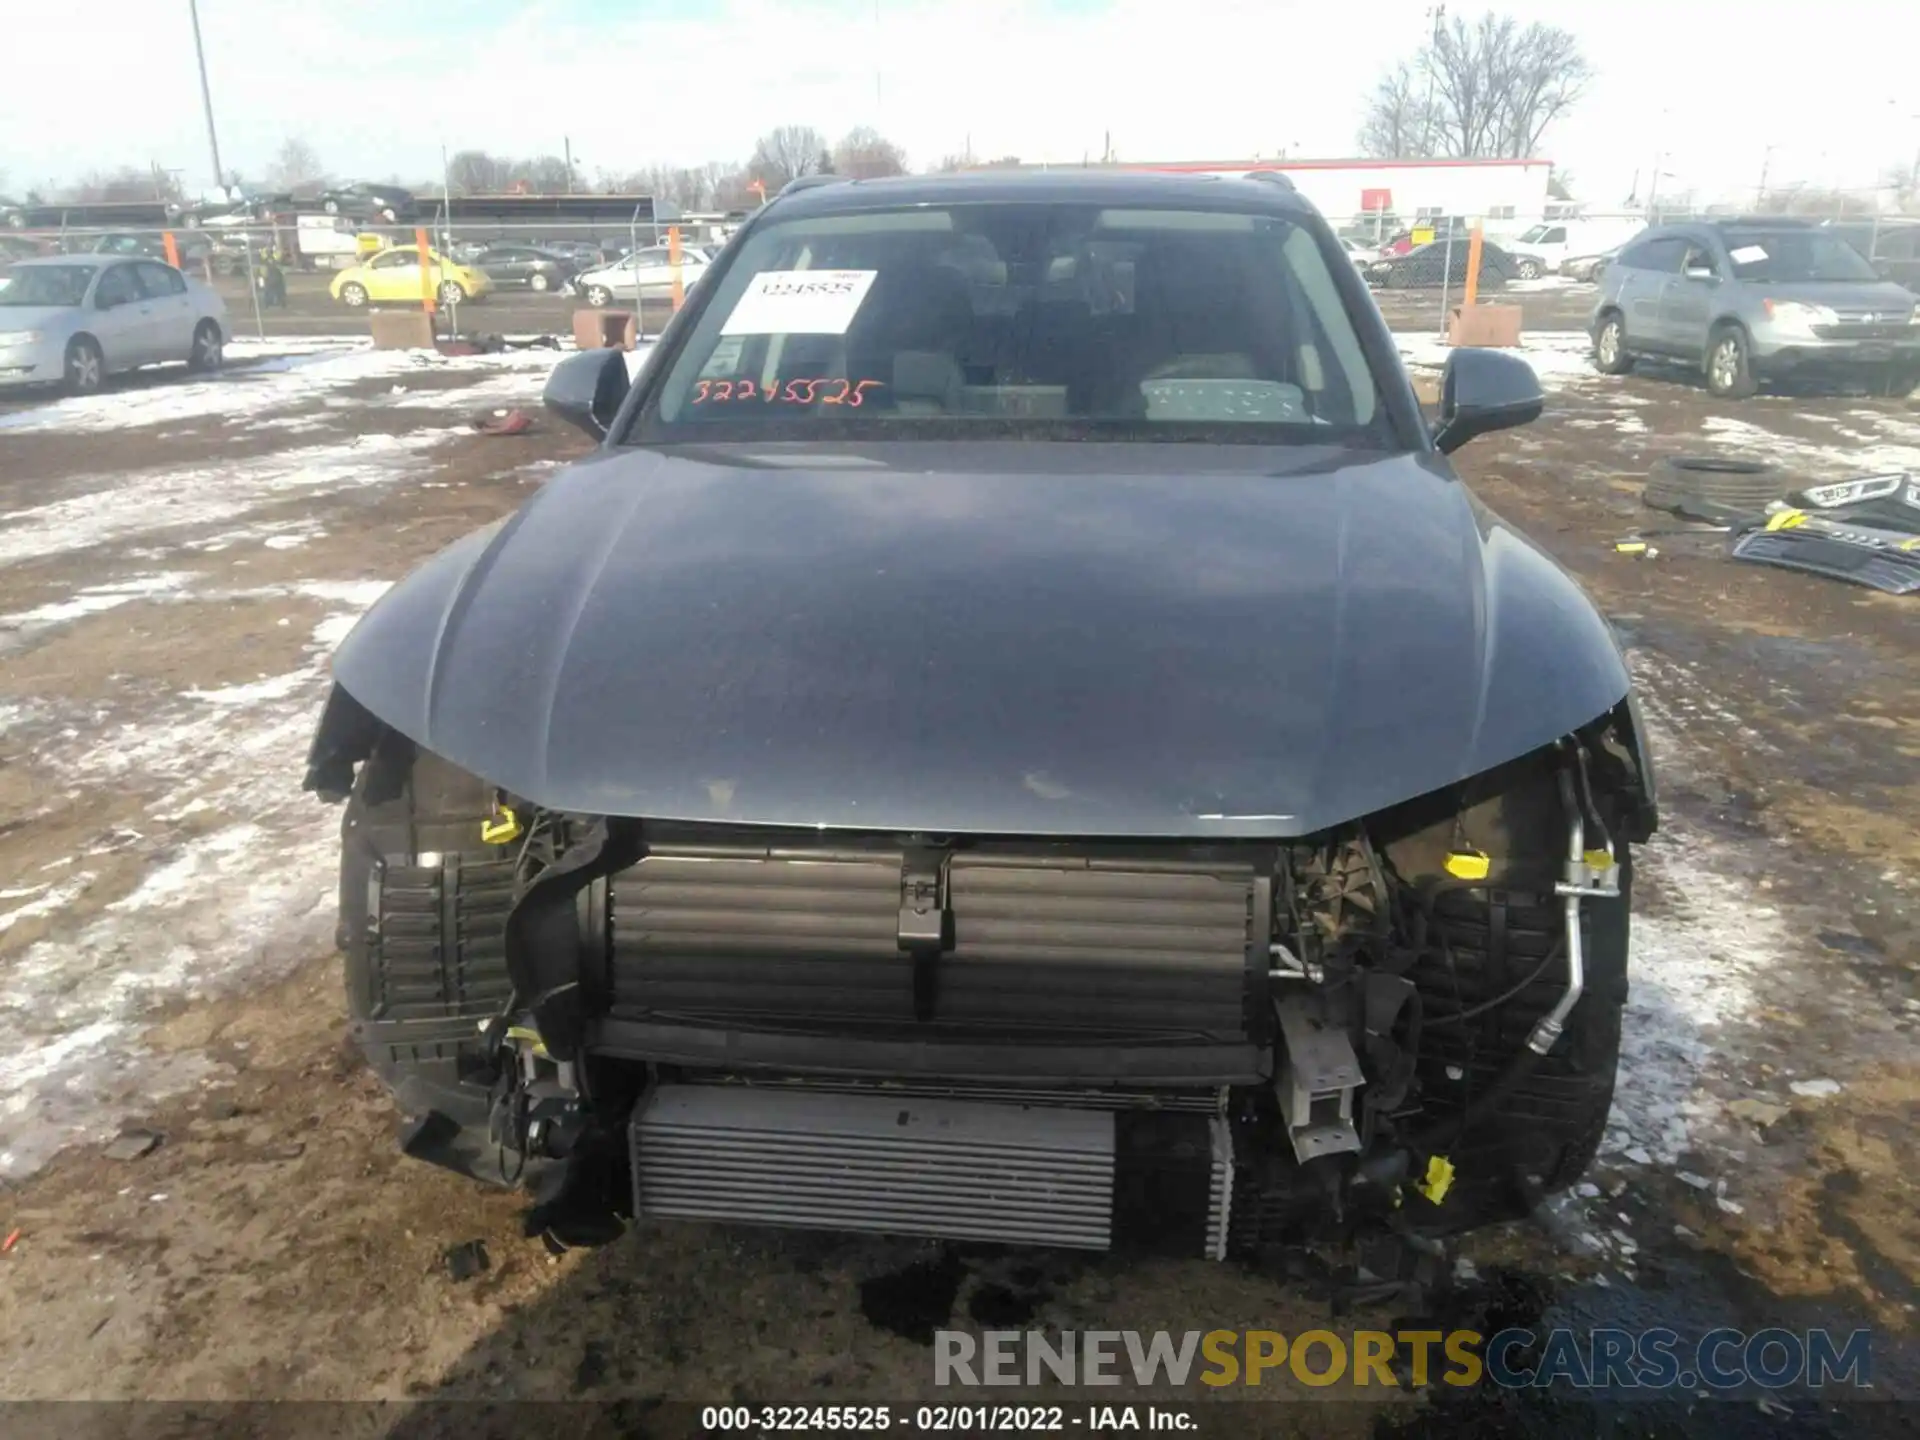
(73, 320)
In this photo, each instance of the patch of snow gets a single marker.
(240, 899)
(202, 495)
(1558, 357)
(95, 599)
(1896, 446)
(1815, 1089)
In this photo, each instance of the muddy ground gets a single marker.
(168, 590)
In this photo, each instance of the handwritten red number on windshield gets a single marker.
(841, 398)
(745, 392)
(700, 388)
(723, 389)
(858, 398)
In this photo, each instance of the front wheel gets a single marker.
(1610, 347)
(451, 292)
(1729, 365)
(353, 296)
(537, 282)
(85, 367)
(209, 349)
(599, 296)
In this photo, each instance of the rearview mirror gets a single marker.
(1482, 391)
(586, 389)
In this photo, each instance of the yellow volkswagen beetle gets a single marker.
(393, 277)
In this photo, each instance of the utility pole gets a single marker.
(206, 97)
(1766, 160)
(566, 143)
(1436, 14)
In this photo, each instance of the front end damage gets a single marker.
(1406, 1022)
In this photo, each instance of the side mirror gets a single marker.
(1482, 391)
(586, 389)
(1700, 272)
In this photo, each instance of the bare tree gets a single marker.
(129, 182)
(865, 154)
(296, 167)
(1399, 121)
(785, 154)
(475, 172)
(1482, 88)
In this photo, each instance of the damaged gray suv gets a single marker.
(1018, 733)
(1744, 301)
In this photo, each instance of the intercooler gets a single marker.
(839, 1158)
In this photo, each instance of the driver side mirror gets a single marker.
(1482, 391)
(586, 389)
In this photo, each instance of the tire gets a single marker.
(353, 296)
(599, 296)
(332, 207)
(208, 352)
(1529, 269)
(1610, 354)
(1718, 491)
(1729, 365)
(85, 369)
(424, 944)
(538, 282)
(452, 293)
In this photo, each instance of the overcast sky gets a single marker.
(378, 86)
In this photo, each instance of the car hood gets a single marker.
(1040, 639)
(14, 318)
(1844, 295)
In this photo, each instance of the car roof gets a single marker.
(1117, 188)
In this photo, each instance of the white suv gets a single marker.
(632, 275)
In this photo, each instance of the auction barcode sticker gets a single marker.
(799, 302)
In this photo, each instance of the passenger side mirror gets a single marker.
(586, 389)
(1482, 391)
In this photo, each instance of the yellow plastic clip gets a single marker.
(527, 1035)
(1630, 547)
(1913, 544)
(1439, 1179)
(1786, 519)
(501, 827)
(1598, 859)
(1469, 865)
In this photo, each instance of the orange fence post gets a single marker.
(1473, 267)
(426, 268)
(673, 264)
(173, 249)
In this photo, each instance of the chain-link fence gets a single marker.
(321, 274)
(1549, 265)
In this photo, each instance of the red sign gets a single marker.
(1376, 199)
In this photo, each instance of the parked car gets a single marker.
(676, 882)
(1588, 267)
(393, 277)
(524, 266)
(584, 254)
(73, 321)
(1403, 241)
(369, 202)
(639, 272)
(1362, 256)
(1540, 249)
(1892, 248)
(1442, 261)
(1743, 301)
(192, 249)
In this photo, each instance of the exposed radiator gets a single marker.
(1065, 945)
(1023, 1175)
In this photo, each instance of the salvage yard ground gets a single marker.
(176, 561)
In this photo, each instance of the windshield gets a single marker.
(1787, 255)
(44, 284)
(1024, 320)
(1534, 234)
